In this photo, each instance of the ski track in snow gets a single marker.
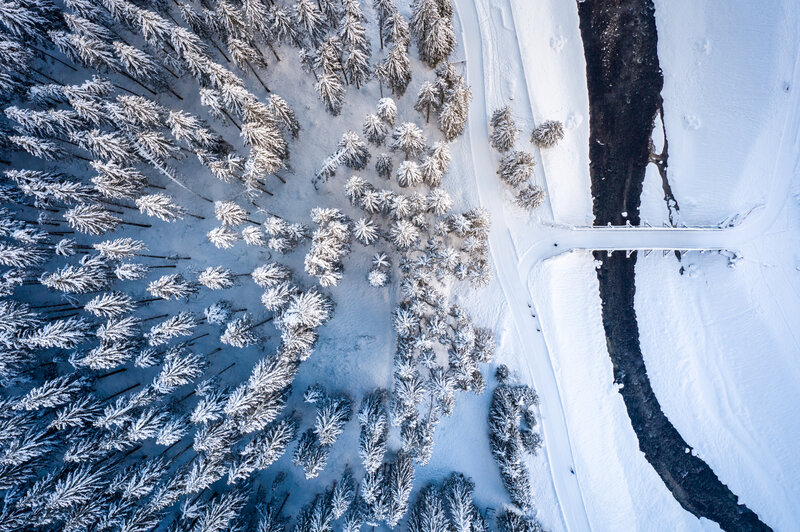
(554, 427)
(514, 269)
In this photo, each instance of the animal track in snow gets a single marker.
(558, 42)
(691, 122)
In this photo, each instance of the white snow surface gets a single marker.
(728, 89)
(622, 491)
(718, 342)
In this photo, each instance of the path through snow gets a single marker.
(514, 267)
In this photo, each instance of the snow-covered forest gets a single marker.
(425, 265)
(188, 186)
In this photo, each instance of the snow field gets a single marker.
(621, 489)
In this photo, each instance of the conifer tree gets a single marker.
(548, 134)
(408, 137)
(239, 332)
(383, 165)
(516, 168)
(374, 422)
(428, 514)
(530, 197)
(310, 455)
(330, 90)
(375, 129)
(387, 111)
(504, 131)
(161, 206)
(171, 286)
(453, 114)
(343, 494)
(216, 278)
(395, 70)
(399, 483)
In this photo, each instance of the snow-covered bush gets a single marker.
(548, 134)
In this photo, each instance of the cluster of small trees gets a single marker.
(333, 412)
(447, 507)
(511, 437)
(516, 166)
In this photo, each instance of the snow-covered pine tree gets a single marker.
(408, 138)
(182, 324)
(332, 415)
(404, 234)
(457, 491)
(387, 111)
(53, 393)
(38, 147)
(216, 278)
(91, 219)
(453, 114)
(21, 256)
(432, 27)
(395, 69)
(365, 231)
(516, 168)
(161, 206)
(310, 455)
(427, 513)
(530, 197)
(317, 515)
(354, 517)
(352, 151)
(119, 248)
(384, 165)
(399, 482)
(329, 243)
(283, 113)
(343, 494)
(374, 422)
(309, 20)
(239, 332)
(409, 174)
(261, 452)
(116, 181)
(504, 130)
(130, 271)
(356, 67)
(375, 129)
(548, 134)
(223, 237)
(427, 99)
(511, 521)
(171, 286)
(229, 213)
(90, 275)
(271, 274)
(110, 305)
(62, 334)
(331, 92)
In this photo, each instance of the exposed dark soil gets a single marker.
(625, 82)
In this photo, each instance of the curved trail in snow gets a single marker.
(557, 445)
(514, 268)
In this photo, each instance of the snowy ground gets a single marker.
(718, 342)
